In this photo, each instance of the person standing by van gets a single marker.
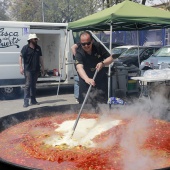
(31, 57)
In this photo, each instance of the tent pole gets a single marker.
(62, 65)
(109, 72)
(138, 47)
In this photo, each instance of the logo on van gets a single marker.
(8, 38)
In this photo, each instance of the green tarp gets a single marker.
(124, 16)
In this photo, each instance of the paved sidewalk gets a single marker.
(45, 97)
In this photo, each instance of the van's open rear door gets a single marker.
(52, 41)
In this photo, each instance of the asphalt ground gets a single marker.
(45, 97)
(49, 97)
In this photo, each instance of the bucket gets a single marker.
(55, 72)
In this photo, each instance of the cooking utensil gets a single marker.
(75, 124)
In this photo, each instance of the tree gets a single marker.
(69, 10)
(26, 10)
(3, 7)
(109, 3)
(165, 4)
(57, 10)
(53, 10)
(143, 2)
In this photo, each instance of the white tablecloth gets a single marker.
(145, 79)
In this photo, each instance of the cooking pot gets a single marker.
(13, 119)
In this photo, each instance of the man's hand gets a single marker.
(42, 72)
(99, 66)
(20, 65)
(21, 70)
(74, 48)
(90, 81)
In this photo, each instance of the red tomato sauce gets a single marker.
(23, 144)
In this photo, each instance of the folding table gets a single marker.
(146, 84)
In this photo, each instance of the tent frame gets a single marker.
(125, 16)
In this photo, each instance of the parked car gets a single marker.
(117, 51)
(130, 57)
(162, 56)
(107, 44)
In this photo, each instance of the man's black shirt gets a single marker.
(89, 61)
(31, 57)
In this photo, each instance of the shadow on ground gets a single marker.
(45, 92)
(51, 101)
(52, 91)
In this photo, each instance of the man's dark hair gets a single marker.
(86, 32)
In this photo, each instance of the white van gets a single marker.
(55, 43)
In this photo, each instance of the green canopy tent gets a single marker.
(125, 16)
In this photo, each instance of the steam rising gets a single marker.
(135, 133)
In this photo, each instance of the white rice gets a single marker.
(86, 130)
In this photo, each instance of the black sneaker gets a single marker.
(25, 105)
(34, 103)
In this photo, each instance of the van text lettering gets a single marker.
(8, 39)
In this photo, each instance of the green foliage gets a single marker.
(53, 10)
(60, 11)
(3, 7)
(26, 10)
